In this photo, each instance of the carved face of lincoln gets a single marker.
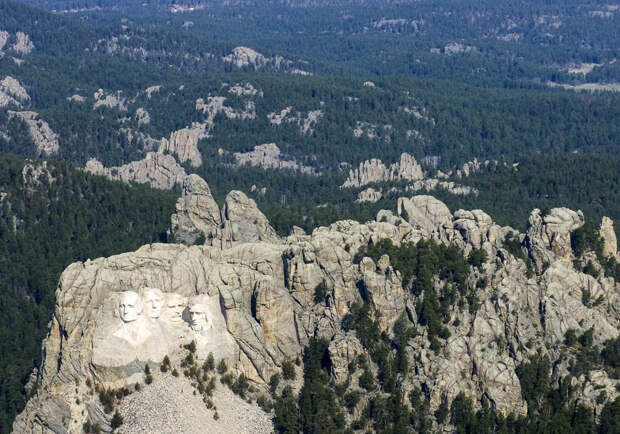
(198, 317)
(153, 300)
(129, 306)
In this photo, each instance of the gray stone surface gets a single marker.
(264, 288)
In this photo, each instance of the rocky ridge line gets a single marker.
(266, 290)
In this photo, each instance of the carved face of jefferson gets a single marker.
(129, 306)
(153, 300)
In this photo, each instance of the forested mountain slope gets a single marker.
(51, 215)
(288, 101)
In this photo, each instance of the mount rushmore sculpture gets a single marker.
(140, 327)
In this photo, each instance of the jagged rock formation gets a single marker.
(158, 170)
(610, 242)
(264, 287)
(12, 92)
(306, 123)
(184, 143)
(548, 237)
(4, 37)
(433, 183)
(369, 195)
(407, 169)
(198, 217)
(111, 100)
(269, 156)
(44, 138)
(197, 213)
(244, 57)
(23, 44)
(246, 89)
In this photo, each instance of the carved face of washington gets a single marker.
(129, 306)
(198, 317)
(176, 305)
(153, 301)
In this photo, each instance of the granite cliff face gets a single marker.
(159, 170)
(257, 291)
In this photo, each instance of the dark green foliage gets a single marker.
(320, 293)
(240, 385)
(367, 380)
(318, 409)
(534, 379)
(610, 418)
(286, 417)
(418, 264)
(117, 420)
(91, 428)
(107, 400)
(274, 381)
(191, 347)
(351, 400)
(165, 364)
(209, 363)
(477, 257)
(288, 370)
(442, 412)
(570, 338)
(74, 217)
(513, 245)
(587, 338)
(222, 367)
(586, 238)
(265, 403)
(610, 355)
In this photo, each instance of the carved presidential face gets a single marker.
(153, 301)
(198, 317)
(129, 306)
(175, 305)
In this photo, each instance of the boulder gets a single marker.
(197, 213)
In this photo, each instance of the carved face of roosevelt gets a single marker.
(153, 301)
(198, 317)
(129, 306)
(176, 305)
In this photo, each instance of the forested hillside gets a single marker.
(330, 85)
(482, 41)
(52, 215)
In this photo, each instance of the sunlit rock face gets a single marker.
(250, 299)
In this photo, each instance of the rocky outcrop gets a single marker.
(242, 57)
(197, 214)
(246, 89)
(369, 195)
(610, 242)
(158, 170)
(12, 92)
(243, 222)
(4, 37)
(198, 217)
(263, 294)
(433, 183)
(184, 144)
(269, 156)
(44, 138)
(23, 44)
(424, 212)
(407, 169)
(114, 101)
(306, 122)
(548, 236)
